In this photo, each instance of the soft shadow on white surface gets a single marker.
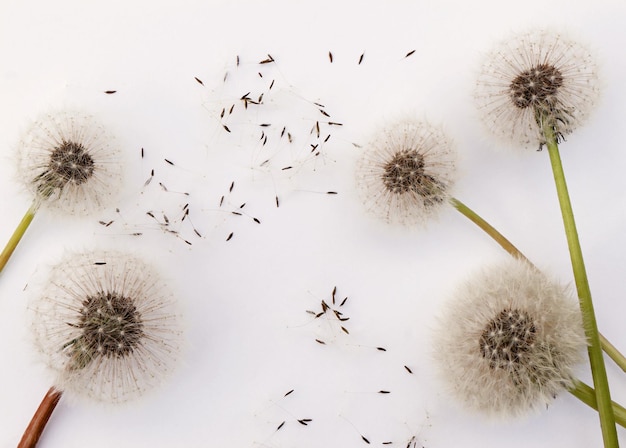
(246, 298)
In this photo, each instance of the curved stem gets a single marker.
(18, 234)
(598, 369)
(587, 395)
(39, 420)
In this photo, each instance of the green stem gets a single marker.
(598, 369)
(613, 352)
(488, 228)
(18, 234)
(587, 395)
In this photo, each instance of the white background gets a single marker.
(250, 339)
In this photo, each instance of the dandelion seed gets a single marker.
(107, 326)
(407, 172)
(510, 340)
(535, 78)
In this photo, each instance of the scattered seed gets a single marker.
(361, 58)
(226, 127)
(381, 349)
(110, 92)
(320, 342)
(384, 392)
(330, 56)
(230, 236)
(199, 81)
(169, 161)
(288, 393)
(280, 426)
(407, 369)
(409, 53)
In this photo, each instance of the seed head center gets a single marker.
(69, 162)
(111, 325)
(404, 172)
(507, 338)
(536, 87)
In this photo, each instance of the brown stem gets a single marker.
(39, 420)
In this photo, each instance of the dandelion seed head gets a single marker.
(109, 331)
(406, 172)
(534, 77)
(509, 341)
(70, 163)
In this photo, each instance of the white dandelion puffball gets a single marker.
(70, 163)
(534, 77)
(107, 325)
(406, 173)
(508, 343)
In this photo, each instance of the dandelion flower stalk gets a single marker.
(598, 369)
(40, 419)
(487, 228)
(587, 395)
(19, 232)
